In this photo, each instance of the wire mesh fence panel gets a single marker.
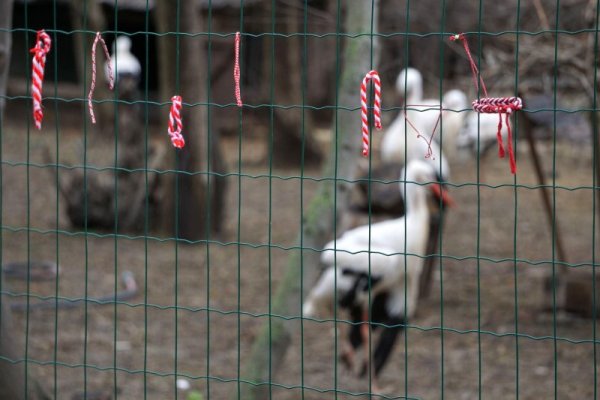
(260, 255)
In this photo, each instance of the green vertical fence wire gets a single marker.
(177, 205)
(516, 207)
(207, 195)
(303, 85)
(239, 223)
(553, 229)
(594, 198)
(478, 250)
(406, 62)
(370, 372)
(147, 194)
(335, 155)
(443, 37)
(85, 209)
(3, 302)
(57, 209)
(116, 173)
(270, 190)
(28, 221)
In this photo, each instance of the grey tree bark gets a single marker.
(90, 12)
(292, 145)
(271, 345)
(199, 153)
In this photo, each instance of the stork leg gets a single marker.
(435, 222)
(366, 338)
(386, 342)
(366, 335)
(384, 348)
(355, 339)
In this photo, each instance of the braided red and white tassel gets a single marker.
(370, 76)
(175, 124)
(111, 79)
(40, 50)
(493, 105)
(236, 71)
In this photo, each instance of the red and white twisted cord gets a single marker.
(374, 77)
(236, 70)
(175, 125)
(42, 46)
(498, 105)
(474, 70)
(501, 105)
(111, 79)
(493, 105)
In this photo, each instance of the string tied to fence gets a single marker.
(111, 79)
(428, 139)
(175, 124)
(374, 77)
(493, 105)
(236, 70)
(43, 43)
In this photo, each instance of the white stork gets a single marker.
(383, 262)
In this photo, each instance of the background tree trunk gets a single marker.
(288, 139)
(275, 337)
(90, 14)
(199, 153)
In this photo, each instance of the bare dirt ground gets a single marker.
(461, 345)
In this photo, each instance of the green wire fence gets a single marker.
(135, 270)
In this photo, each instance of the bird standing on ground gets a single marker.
(383, 262)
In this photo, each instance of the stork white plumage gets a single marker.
(123, 63)
(379, 249)
(410, 81)
(455, 106)
(425, 113)
(389, 253)
(479, 128)
(401, 141)
(409, 85)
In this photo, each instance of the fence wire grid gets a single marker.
(135, 270)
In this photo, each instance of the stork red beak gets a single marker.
(441, 193)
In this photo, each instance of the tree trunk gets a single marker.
(301, 272)
(290, 125)
(88, 16)
(199, 153)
